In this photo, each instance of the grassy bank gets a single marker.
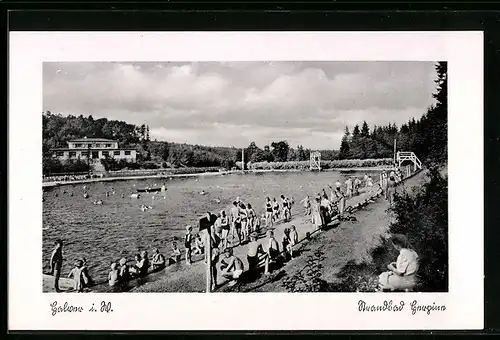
(420, 213)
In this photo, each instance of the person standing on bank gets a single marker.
(187, 243)
(235, 223)
(340, 201)
(391, 190)
(56, 260)
(224, 223)
(269, 213)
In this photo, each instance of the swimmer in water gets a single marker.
(85, 195)
(123, 195)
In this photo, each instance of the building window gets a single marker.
(105, 153)
(127, 153)
(108, 145)
(85, 153)
(98, 145)
(72, 154)
(116, 153)
(89, 145)
(59, 153)
(78, 145)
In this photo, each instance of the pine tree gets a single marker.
(365, 131)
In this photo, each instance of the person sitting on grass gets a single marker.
(124, 273)
(402, 274)
(158, 261)
(143, 264)
(114, 275)
(232, 267)
(254, 250)
(176, 254)
(135, 268)
(198, 244)
(87, 280)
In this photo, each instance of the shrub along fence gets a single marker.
(335, 164)
(161, 172)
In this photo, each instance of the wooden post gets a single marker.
(208, 254)
(395, 152)
(242, 160)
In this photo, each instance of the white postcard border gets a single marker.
(29, 308)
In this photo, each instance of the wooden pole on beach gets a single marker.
(208, 255)
(242, 160)
(394, 152)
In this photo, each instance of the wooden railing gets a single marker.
(408, 156)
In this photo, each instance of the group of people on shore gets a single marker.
(242, 225)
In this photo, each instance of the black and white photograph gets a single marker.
(205, 177)
(245, 176)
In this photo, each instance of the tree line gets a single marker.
(426, 137)
(59, 129)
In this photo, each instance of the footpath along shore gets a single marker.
(220, 173)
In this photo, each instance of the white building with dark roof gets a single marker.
(94, 149)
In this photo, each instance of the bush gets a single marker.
(149, 165)
(423, 218)
(308, 279)
(53, 166)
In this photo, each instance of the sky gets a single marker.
(235, 103)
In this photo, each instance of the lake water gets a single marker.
(118, 228)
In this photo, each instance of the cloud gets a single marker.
(234, 103)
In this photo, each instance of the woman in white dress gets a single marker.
(402, 274)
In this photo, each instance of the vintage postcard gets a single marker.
(245, 181)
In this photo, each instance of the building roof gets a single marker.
(93, 149)
(92, 140)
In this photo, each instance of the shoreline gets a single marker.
(222, 173)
